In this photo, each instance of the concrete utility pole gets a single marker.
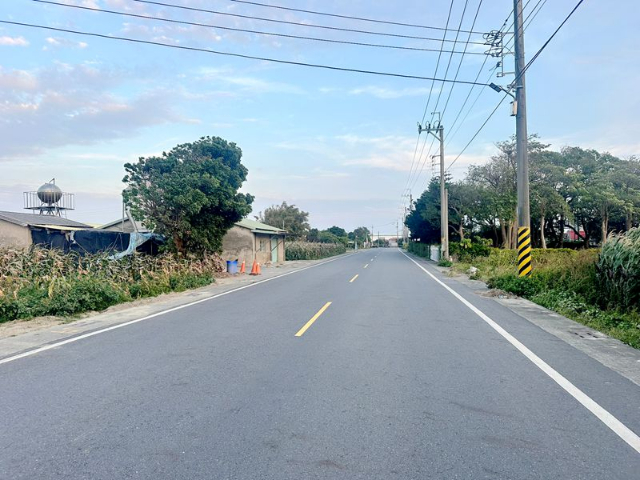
(524, 216)
(444, 211)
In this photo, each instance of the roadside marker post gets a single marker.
(524, 252)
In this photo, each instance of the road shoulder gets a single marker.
(23, 335)
(608, 351)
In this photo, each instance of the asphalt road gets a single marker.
(396, 378)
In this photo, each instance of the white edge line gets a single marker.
(620, 429)
(157, 314)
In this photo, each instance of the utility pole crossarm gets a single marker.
(438, 133)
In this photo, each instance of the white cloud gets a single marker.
(245, 83)
(13, 41)
(390, 93)
(58, 42)
(73, 105)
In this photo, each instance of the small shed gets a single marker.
(16, 227)
(248, 240)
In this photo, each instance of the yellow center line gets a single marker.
(366, 265)
(353, 279)
(313, 319)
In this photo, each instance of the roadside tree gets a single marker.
(189, 194)
(287, 217)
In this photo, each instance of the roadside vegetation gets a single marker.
(39, 282)
(190, 194)
(578, 197)
(298, 250)
(598, 289)
(306, 243)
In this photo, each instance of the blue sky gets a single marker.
(338, 145)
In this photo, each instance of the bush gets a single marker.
(40, 282)
(312, 250)
(618, 270)
(467, 250)
(420, 249)
(570, 283)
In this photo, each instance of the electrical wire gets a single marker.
(451, 135)
(349, 17)
(426, 107)
(533, 59)
(534, 14)
(464, 52)
(263, 19)
(466, 100)
(237, 55)
(258, 32)
(477, 132)
(527, 20)
(537, 54)
(466, 4)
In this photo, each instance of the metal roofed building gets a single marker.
(15, 227)
(249, 240)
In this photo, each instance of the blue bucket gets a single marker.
(232, 266)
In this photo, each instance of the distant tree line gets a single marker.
(582, 191)
(296, 223)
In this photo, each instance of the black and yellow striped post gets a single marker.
(524, 252)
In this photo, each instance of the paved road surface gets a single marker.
(396, 378)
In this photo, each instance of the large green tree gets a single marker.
(189, 194)
(360, 234)
(337, 231)
(287, 217)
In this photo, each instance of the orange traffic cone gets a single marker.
(255, 269)
(259, 272)
(242, 267)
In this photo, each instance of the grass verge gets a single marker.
(564, 281)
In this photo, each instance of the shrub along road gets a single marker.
(339, 371)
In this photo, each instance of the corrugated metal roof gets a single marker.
(25, 219)
(258, 227)
(64, 228)
(137, 226)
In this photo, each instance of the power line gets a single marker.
(258, 32)
(506, 20)
(529, 18)
(263, 19)
(426, 107)
(238, 55)
(444, 110)
(532, 15)
(349, 17)
(477, 132)
(461, 59)
(451, 135)
(533, 59)
(464, 10)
